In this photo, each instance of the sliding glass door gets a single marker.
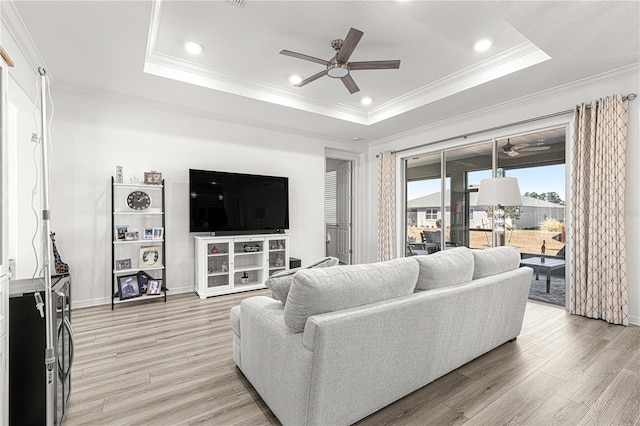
(442, 211)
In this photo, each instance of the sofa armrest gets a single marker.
(274, 359)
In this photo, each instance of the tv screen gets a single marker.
(235, 202)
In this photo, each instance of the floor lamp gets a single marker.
(497, 193)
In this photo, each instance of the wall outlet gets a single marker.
(35, 138)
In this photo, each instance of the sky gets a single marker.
(531, 179)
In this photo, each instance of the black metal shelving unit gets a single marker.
(115, 296)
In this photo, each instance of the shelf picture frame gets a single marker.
(150, 257)
(128, 287)
(154, 287)
(131, 236)
(123, 264)
(148, 234)
(158, 233)
(121, 231)
(143, 280)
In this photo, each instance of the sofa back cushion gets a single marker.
(317, 291)
(495, 261)
(280, 282)
(444, 268)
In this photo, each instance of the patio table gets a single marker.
(548, 265)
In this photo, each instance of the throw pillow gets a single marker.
(280, 282)
(495, 261)
(317, 291)
(444, 268)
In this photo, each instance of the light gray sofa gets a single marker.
(352, 339)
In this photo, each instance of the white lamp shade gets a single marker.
(499, 191)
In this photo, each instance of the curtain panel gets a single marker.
(386, 206)
(599, 264)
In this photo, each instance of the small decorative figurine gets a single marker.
(245, 278)
(224, 267)
(279, 262)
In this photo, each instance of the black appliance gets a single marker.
(27, 342)
(237, 203)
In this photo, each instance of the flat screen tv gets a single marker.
(228, 203)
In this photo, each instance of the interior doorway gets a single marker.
(338, 209)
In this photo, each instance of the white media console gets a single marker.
(238, 263)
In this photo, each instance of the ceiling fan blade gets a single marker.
(375, 65)
(512, 153)
(349, 44)
(521, 146)
(304, 57)
(537, 148)
(351, 85)
(310, 79)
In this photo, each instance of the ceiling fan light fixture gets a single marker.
(337, 70)
(193, 47)
(483, 45)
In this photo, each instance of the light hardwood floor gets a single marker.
(151, 363)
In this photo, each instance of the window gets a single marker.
(330, 189)
(431, 213)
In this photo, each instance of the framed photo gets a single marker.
(153, 178)
(154, 286)
(143, 280)
(121, 230)
(150, 257)
(158, 233)
(148, 177)
(131, 236)
(118, 175)
(128, 287)
(148, 234)
(123, 264)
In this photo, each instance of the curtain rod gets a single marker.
(629, 97)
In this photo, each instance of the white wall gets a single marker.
(623, 81)
(90, 137)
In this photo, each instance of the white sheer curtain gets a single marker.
(599, 263)
(386, 206)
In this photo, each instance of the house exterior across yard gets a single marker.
(425, 212)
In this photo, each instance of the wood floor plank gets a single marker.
(557, 410)
(171, 364)
(586, 385)
(619, 404)
(520, 402)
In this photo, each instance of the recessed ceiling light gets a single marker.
(366, 100)
(193, 47)
(483, 45)
(295, 79)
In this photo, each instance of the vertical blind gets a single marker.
(330, 186)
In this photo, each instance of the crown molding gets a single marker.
(118, 98)
(13, 22)
(631, 70)
(511, 60)
(176, 69)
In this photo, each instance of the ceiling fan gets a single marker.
(514, 150)
(339, 66)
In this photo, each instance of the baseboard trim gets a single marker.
(75, 304)
(634, 320)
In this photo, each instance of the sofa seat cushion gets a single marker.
(444, 268)
(317, 291)
(495, 261)
(280, 282)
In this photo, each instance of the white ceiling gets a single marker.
(134, 49)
